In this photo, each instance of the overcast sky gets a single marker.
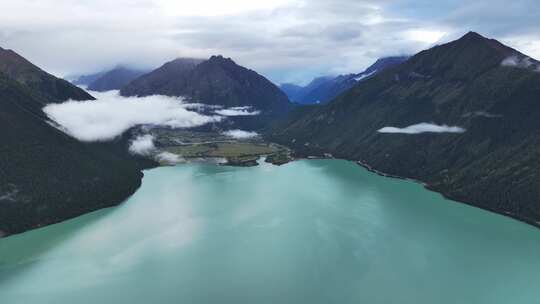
(285, 40)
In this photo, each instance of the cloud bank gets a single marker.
(422, 128)
(238, 111)
(286, 40)
(111, 115)
(240, 134)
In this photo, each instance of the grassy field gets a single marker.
(227, 150)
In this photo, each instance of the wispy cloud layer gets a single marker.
(240, 134)
(287, 40)
(168, 158)
(422, 128)
(111, 115)
(238, 111)
(521, 62)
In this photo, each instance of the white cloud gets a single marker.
(111, 115)
(142, 145)
(237, 111)
(169, 158)
(514, 61)
(511, 61)
(364, 76)
(215, 8)
(426, 36)
(286, 40)
(240, 134)
(523, 63)
(423, 128)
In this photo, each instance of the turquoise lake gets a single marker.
(312, 231)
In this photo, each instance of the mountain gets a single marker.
(46, 175)
(85, 80)
(115, 79)
(162, 79)
(216, 81)
(324, 89)
(298, 94)
(487, 89)
(51, 88)
(292, 90)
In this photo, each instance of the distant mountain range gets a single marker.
(46, 175)
(323, 89)
(482, 96)
(85, 80)
(114, 79)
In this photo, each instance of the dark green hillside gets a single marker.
(495, 164)
(52, 88)
(47, 176)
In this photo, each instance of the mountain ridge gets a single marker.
(325, 88)
(115, 79)
(52, 88)
(218, 81)
(47, 175)
(462, 83)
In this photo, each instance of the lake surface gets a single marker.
(318, 231)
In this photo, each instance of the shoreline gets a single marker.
(425, 185)
(428, 187)
(363, 164)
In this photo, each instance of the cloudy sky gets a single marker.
(285, 40)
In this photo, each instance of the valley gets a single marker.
(269, 152)
(205, 146)
(458, 117)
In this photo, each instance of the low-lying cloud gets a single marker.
(169, 158)
(238, 111)
(481, 114)
(523, 62)
(142, 145)
(111, 115)
(240, 134)
(422, 128)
